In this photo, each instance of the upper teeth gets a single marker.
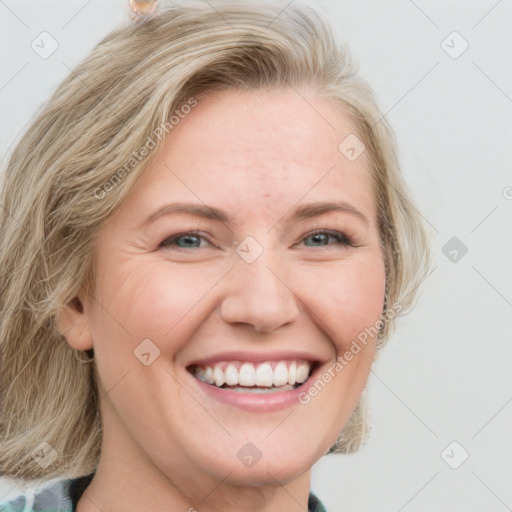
(265, 374)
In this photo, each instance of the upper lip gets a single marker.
(258, 357)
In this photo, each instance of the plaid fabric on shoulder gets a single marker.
(53, 498)
(314, 504)
(63, 495)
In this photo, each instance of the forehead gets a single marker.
(259, 149)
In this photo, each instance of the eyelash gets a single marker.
(337, 235)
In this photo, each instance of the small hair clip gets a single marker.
(143, 7)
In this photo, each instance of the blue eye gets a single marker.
(321, 238)
(192, 239)
(188, 240)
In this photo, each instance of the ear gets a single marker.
(72, 323)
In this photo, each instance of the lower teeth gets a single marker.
(253, 389)
(240, 389)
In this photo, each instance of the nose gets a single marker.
(259, 297)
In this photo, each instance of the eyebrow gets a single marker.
(302, 212)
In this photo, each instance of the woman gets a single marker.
(205, 240)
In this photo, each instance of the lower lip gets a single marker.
(258, 402)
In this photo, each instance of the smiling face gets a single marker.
(266, 292)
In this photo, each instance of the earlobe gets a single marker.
(72, 323)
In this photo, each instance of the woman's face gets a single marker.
(251, 294)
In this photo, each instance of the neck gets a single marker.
(127, 480)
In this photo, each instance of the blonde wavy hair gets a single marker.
(130, 85)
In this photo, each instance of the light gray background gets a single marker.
(445, 375)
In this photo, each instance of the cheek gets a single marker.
(153, 300)
(146, 301)
(172, 298)
(346, 299)
(347, 305)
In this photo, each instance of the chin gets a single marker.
(272, 463)
(271, 472)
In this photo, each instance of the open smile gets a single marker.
(258, 386)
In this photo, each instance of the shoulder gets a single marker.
(314, 504)
(50, 498)
(62, 496)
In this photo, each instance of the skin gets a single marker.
(166, 444)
